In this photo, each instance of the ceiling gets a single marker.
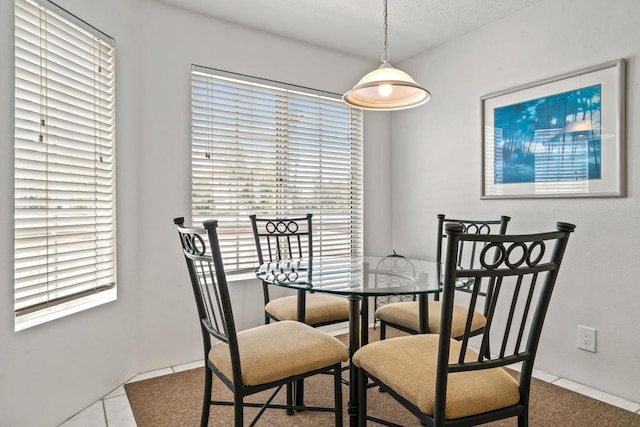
(355, 27)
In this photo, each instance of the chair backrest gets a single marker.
(282, 238)
(210, 287)
(397, 263)
(394, 263)
(469, 226)
(524, 269)
(466, 255)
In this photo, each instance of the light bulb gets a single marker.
(384, 90)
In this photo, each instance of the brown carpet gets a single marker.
(176, 400)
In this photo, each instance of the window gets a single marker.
(65, 258)
(264, 148)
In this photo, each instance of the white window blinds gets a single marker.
(263, 149)
(65, 258)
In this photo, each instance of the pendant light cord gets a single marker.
(385, 55)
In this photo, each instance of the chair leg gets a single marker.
(362, 396)
(337, 385)
(206, 401)
(383, 330)
(238, 410)
(300, 394)
(523, 419)
(290, 402)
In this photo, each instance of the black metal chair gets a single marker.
(443, 381)
(405, 315)
(394, 263)
(251, 361)
(292, 238)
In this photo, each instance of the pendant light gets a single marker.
(386, 88)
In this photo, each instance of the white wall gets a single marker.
(437, 160)
(51, 371)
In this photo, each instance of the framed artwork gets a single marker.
(560, 137)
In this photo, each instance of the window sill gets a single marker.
(43, 316)
(240, 277)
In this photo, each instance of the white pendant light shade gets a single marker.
(386, 89)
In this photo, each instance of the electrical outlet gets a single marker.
(587, 338)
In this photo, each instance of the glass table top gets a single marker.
(366, 276)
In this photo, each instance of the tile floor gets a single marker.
(114, 410)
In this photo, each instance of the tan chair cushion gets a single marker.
(407, 314)
(320, 308)
(279, 350)
(408, 366)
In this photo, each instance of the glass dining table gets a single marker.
(357, 278)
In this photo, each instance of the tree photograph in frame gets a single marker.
(560, 137)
